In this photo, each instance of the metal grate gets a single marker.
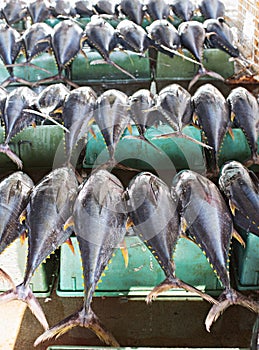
(248, 27)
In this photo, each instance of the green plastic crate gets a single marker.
(13, 261)
(85, 72)
(177, 68)
(247, 262)
(43, 147)
(141, 275)
(175, 153)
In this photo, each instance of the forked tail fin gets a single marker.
(227, 298)
(82, 319)
(25, 294)
(7, 150)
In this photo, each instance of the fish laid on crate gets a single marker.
(192, 36)
(66, 44)
(142, 112)
(211, 114)
(100, 35)
(154, 218)
(78, 113)
(13, 11)
(133, 10)
(62, 8)
(14, 196)
(206, 219)
(241, 188)
(184, 9)
(84, 8)
(107, 7)
(245, 115)
(49, 207)
(15, 119)
(211, 8)
(112, 117)
(175, 109)
(39, 11)
(220, 36)
(99, 220)
(157, 9)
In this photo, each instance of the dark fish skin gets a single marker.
(100, 225)
(155, 220)
(219, 36)
(107, 7)
(132, 36)
(50, 205)
(255, 335)
(158, 9)
(36, 39)
(211, 8)
(183, 9)
(51, 99)
(112, 117)
(175, 109)
(241, 188)
(245, 113)
(212, 113)
(84, 8)
(192, 36)
(62, 8)
(38, 10)
(3, 97)
(207, 220)
(10, 45)
(141, 105)
(15, 120)
(13, 11)
(77, 113)
(133, 9)
(100, 35)
(162, 32)
(14, 195)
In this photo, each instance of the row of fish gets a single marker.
(67, 38)
(13, 11)
(100, 212)
(113, 111)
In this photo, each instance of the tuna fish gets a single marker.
(183, 9)
(133, 9)
(14, 195)
(245, 114)
(154, 217)
(241, 188)
(99, 220)
(49, 207)
(192, 36)
(207, 220)
(211, 8)
(212, 115)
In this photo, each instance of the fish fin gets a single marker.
(70, 245)
(230, 131)
(174, 282)
(143, 138)
(195, 119)
(227, 298)
(6, 150)
(129, 127)
(58, 110)
(68, 223)
(184, 136)
(232, 116)
(82, 319)
(4, 275)
(237, 236)
(124, 252)
(23, 216)
(232, 207)
(201, 72)
(129, 223)
(23, 237)
(26, 295)
(92, 133)
(184, 225)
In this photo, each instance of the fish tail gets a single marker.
(143, 138)
(173, 282)
(7, 150)
(82, 319)
(227, 298)
(184, 136)
(112, 163)
(201, 72)
(25, 294)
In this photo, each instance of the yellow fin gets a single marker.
(129, 223)
(232, 207)
(68, 223)
(237, 236)
(125, 253)
(232, 116)
(23, 216)
(184, 225)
